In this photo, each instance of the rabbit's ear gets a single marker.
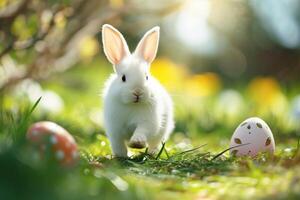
(114, 44)
(148, 45)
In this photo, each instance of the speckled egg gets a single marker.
(256, 136)
(58, 140)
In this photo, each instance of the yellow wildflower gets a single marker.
(168, 73)
(203, 85)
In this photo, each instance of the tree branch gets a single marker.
(60, 45)
(8, 14)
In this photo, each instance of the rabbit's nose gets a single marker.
(137, 92)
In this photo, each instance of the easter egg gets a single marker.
(50, 136)
(252, 137)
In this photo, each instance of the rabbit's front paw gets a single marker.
(137, 142)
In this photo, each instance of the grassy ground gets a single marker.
(192, 165)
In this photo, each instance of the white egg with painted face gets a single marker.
(256, 136)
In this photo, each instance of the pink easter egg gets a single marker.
(60, 141)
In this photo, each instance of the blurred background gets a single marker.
(230, 58)
(221, 60)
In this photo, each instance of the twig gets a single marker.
(8, 14)
(31, 41)
(8, 47)
(40, 36)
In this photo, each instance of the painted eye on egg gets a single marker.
(124, 78)
(146, 77)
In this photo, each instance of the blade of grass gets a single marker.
(34, 106)
(222, 152)
(190, 150)
(23, 122)
(28, 114)
(297, 149)
(166, 152)
(160, 151)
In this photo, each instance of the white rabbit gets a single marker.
(138, 111)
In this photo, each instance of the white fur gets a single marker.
(150, 120)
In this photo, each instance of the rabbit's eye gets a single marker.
(146, 77)
(123, 78)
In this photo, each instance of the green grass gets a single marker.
(192, 164)
(172, 174)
